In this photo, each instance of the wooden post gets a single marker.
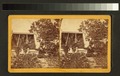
(67, 39)
(18, 40)
(27, 39)
(75, 38)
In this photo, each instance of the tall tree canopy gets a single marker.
(47, 31)
(96, 33)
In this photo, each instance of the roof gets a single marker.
(61, 32)
(22, 33)
(72, 32)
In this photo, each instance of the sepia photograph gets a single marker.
(59, 43)
(84, 44)
(35, 43)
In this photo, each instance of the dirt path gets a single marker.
(48, 62)
(43, 63)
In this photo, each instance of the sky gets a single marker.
(71, 25)
(23, 25)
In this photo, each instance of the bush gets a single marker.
(25, 61)
(101, 61)
(53, 62)
(77, 60)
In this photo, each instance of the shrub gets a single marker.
(77, 60)
(101, 61)
(25, 61)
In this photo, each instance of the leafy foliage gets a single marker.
(25, 61)
(47, 31)
(101, 61)
(77, 60)
(96, 33)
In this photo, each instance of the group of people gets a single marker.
(71, 42)
(21, 44)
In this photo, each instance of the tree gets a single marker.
(96, 31)
(47, 31)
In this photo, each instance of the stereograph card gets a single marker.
(59, 43)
